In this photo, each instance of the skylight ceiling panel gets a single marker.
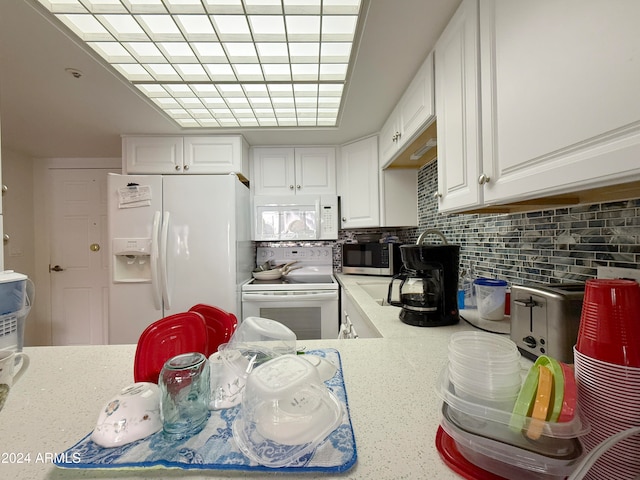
(333, 71)
(133, 72)
(232, 28)
(179, 90)
(268, 28)
(196, 28)
(264, 113)
(104, 6)
(213, 102)
(192, 72)
(228, 122)
(86, 27)
(272, 52)
(166, 102)
(277, 72)
(200, 113)
(241, 52)
(330, 90)
(308, 52)
(63, 6)
(267, 122)
(250, 72)
(243, 113)
(145, 52)
(222, 113)
(305, 90)
(209, 52)
(335, 52)
(280, 90)
(153, 90)
(112, 52)
(124, 28)
(205, 91)
(177, 52)
(341, 7)
(178, 113)
(220, 72)
(160, 28)
(248, 122)
(191, 103)
(224, 6)
(301, 72)
(184, 6)
(306, 102)
(283, 103)
(145, 6)
(303, 28)
(162, 72)
(306, 112)
(256, 91)
(263, 7)
(339, 28)
(208, 122)
(238, 103)
(305, 7)
(328, 102)
(188, 122)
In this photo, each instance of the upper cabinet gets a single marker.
(294, 171)
(414, 110)
(358, 184)
(547, 115)
(186, 155)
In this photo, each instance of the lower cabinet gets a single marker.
(354, 323)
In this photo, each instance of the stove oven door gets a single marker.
(311, 314)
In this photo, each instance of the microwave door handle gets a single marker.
(277, 297)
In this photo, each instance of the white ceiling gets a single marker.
(46, 112)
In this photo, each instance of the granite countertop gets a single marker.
(390, 384)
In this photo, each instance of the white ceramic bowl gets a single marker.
(131, 415)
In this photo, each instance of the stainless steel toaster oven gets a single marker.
(545, 319)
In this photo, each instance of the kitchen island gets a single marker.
(390, 384)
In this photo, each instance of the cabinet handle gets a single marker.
(186, 167)
(290, 187)
(4, 189)
(177, 168)
(482, 179)
(437, 195)
(298, 187)
(344, 219)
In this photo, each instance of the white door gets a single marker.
(79, 256)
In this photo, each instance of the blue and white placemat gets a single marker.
(214, 448)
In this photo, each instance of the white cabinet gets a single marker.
(294, 171)
(457, 109)
(545, 115)
(371, 197)
(358, 184)
(354, 323)
(561, 110)
(414, 110)
(186, 155)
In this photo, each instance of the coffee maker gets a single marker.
(428, 285)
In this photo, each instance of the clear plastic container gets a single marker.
(554, 459)
(286, 412)
(494, 422)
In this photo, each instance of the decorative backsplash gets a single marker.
(548, 246)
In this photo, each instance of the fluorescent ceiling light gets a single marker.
(225, 63)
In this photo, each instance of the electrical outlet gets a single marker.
(615, 272)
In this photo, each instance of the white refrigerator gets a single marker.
(175, 241)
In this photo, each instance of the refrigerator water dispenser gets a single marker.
(131, 260)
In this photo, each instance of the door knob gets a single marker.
(94, 247)
(56, 268)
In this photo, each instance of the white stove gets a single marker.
(305, 300)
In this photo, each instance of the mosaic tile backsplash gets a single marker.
(558, 245)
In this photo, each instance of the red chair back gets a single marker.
(170, 336)
(220, 325)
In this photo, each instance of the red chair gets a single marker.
(170, 336)
(220, 325)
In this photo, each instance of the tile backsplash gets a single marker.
(557, 245)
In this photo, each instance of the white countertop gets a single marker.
(390, 384)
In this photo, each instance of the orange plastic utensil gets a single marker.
(541, 406)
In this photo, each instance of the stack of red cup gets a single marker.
(607, 368)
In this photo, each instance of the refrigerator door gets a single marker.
(134, 296)
(202, 265)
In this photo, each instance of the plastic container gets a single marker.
(286, 412)
(16, 296)
(510, 461)
(491, 298)
(13, 292)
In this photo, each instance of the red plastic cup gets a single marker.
(610, 322)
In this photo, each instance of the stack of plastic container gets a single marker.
(479, 387)
(15, 304)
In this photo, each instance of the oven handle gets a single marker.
(278, 297)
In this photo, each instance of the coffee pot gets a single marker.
(428, 283)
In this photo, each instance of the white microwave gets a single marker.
(296, 217)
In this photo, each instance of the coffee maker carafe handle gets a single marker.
(403, 278)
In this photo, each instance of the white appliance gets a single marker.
(305, 300)
(295, 217)
(175, 240)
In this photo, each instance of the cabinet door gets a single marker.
(457, 96)
(273, 171)
(560, 102)
(358, 184)
(388, 142)
(315, 171)
(215, 155)
(161, 155)
(416, 107)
